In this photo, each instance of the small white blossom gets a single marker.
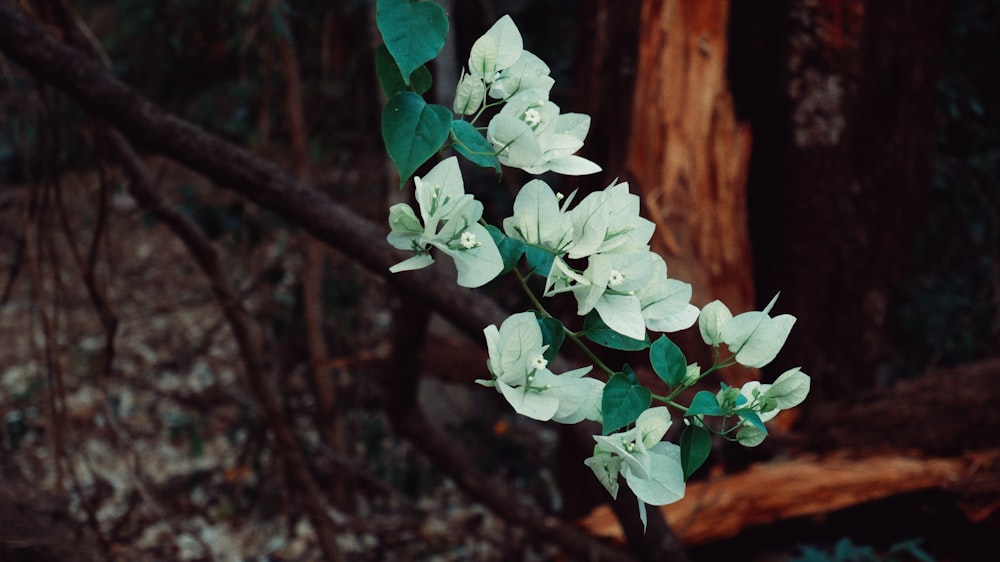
(468, 240)
(539, 362)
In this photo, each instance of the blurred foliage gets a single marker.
(846, 551)
(949, 310)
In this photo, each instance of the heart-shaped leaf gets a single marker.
(392, 81)
(668, 361)
(511, 249)
(696, 443)
(473, 145)
(623, 402)
(705, 403)
(414, 32)
(413, 131)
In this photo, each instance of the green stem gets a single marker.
(666, 400)
(569, 333)
(586, 350)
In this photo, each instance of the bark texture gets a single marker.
(846, 113)
(688, 154)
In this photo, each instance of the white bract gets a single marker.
(666, 303)
(766, 400)
(517, 363)
(754, 337)
(608, 221)
(652, 468)
(497, 49)
(530, 133)
(450, 223)
(538, 218)
(528, 73)
(609, 285)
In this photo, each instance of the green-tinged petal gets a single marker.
(579, 397)
(498, 48)
(418, 261)
(750, 436)
(469, 95)
(520, 338)
(666, 305)
(623, 314)
(537, 217)
(766, 337)
(652, 425)
(406, 229)
(713, 318)
(514, 141)
(665, 482)
(606, 468)
(441, 191)
(480, 264)
(633, 453)
(529, 72)
(570, 166)
(789, 390)
(534, 405)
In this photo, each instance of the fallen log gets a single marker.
(768, 492)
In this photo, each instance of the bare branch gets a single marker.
(234, 168)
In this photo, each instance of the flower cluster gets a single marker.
(651, 467)
(529, 132)
(450, 223)
(518, 365)
(598, 251)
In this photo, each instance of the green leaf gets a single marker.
(414, 32)
(696, 444)
(413, 131)
(629, 373)
(705, 403)
(392, 81)
(668, 361)
(623, 402)
(539, 259)
(753, 419)
(552, 336)
(473, 145)
(511, 249)
(595, 330)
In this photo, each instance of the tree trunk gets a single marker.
(688, 155)
(845, 112)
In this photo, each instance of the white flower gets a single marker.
(468, 240)
(520, 374)
(450, 223)
(527, 73)
(666, 303)
(530, 133)
(497, 49)
(652, 468)
(618, 304)
(754, 337)
(608, 220)
(766, 400)
(538, 219)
